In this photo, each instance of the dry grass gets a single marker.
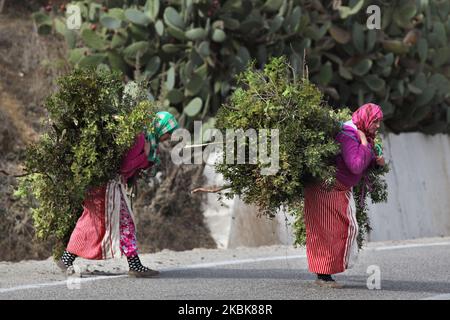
(169, 217)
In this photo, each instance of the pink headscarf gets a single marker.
(365, 116)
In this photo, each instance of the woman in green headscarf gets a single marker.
(163, 126)
(106, 228)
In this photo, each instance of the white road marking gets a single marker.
(445, 296)
(408, 246)
(231, 262)
(56, 283)
(188, 267)
(221, 263)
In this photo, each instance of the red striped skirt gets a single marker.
(331, 228)
(86, 239)
(106, 228)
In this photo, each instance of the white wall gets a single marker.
(418, 188)
(418, 202)
(217, 213)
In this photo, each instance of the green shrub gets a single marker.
(193, 49)
(275, 99)
(92, 121)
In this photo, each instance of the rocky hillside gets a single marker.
(28, 65)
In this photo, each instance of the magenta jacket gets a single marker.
(135, 158)
(354, 158)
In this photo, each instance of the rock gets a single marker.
(7, 135)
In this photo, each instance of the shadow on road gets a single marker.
(220, 273)
(351, 282)
(355, 282)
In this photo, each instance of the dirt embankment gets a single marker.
(28, 65)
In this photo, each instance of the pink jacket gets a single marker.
(354, 158)
(135, 159)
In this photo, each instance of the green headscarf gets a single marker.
(164, 122)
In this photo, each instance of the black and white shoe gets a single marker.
(137, 270)
(66, 263)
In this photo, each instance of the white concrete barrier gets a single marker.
(418, 188)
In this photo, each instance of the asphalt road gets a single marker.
(419, 270)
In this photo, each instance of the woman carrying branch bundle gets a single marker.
(331, 226)
(106, 228)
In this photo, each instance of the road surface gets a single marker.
(415, 269)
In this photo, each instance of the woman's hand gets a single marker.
(147, 148)
(363, 138)
(380, 161)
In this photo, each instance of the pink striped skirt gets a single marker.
(331, 228)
